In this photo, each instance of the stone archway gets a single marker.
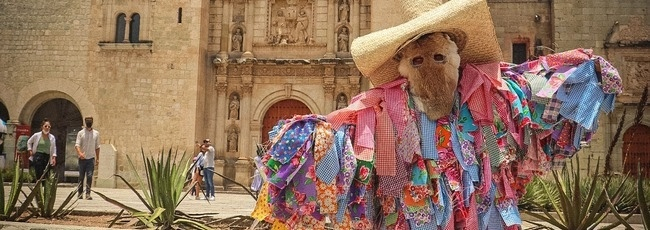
(635, 150)
(66, 121)
(281, 110)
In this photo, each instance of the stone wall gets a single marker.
(524, 21)
(141, 94)
(42, 41)
(586, 23)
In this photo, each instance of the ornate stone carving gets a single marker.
(233, 107)
(329, 71)
(233, 139)
(238, 11)
(291, 22)
(222, 69)
(247, 70)
(247, 88)
(221, 86)
(329, 88)
(344, 11)
(342, 71)
(237, 40)
(343, 39)
(638, 77)
(341, 101)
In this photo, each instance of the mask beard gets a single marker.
(89, 124)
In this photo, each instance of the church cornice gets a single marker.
(336, 67)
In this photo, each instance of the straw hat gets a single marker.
(468, 22)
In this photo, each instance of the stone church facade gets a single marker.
(159, 74)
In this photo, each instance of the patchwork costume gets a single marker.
(381, 163)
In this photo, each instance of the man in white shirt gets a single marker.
(87, 146)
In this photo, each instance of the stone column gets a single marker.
(245, 112)
(225, 30)
(250, 25)
(127, 28)
(354, 19)
(242, 166)
(328, 87)
(221, 111)
(331, 20)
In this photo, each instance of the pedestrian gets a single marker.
(256, 184)
(197, 172)
(208, 168)
(42, 150)
(87, 145)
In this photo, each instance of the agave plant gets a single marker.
(45, 190)
(536, 194)
(9, 210)
(575, 210)
(163, 192)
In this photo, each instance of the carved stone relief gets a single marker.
(237, 39)
(290, 22)
(638, 77)
(341, 101)
(238, 12)
(343, 39)
(233, 139)
(233, 107)
(344, 11)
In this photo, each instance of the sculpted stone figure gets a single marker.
(302, 25)
(232, 141)
(237, 39)
(341, 102)
(344, 10)
(234, 108)
(343, 40)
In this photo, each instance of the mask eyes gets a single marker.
(439, 58)
(417, 61)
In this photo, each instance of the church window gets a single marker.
(134, 30)
(120, 28)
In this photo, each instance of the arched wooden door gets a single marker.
(635, 150)
(281, 110)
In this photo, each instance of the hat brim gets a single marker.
(373, 53)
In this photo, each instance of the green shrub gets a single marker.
(163, 191)
(8, 175)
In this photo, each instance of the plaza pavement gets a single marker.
(226, 204)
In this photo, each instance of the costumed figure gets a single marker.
(447, 139)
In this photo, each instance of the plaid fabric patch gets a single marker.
(552, 111)
(385, 141)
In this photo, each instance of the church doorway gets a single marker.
(635, 150)
(66, 121)
(284, 109)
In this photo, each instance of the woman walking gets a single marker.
(42, 147)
